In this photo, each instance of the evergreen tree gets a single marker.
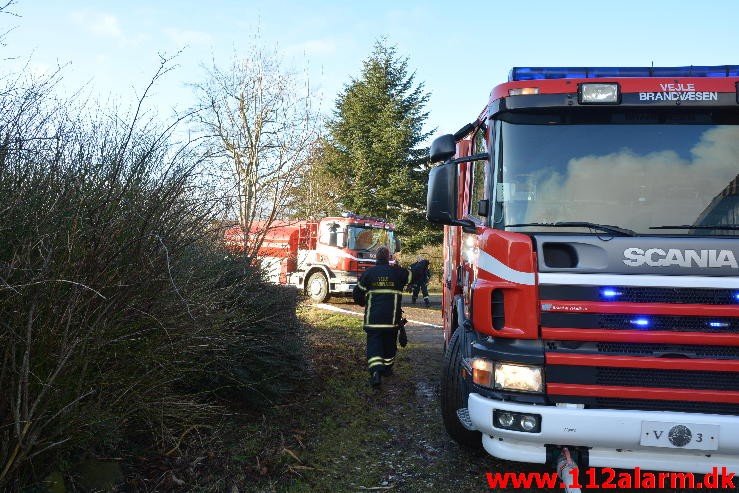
(374, 136)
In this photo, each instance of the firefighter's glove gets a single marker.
(402, 336)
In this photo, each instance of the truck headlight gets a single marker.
(509, 376)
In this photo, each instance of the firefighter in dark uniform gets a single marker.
(379, 291)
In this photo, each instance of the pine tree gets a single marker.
(374, 135)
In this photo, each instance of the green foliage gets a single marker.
(316, 192)
(372, 149)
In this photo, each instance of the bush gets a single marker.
(119, 310)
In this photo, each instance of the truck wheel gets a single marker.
(317, 287)
(454, 392)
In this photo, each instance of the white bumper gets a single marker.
(613, 437)
(343, 285)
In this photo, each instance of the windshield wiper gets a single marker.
(709, 226)
(580, 224)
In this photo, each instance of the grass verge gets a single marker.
(311, 442)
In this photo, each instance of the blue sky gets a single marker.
(459, 50)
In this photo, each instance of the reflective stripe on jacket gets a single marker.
(380, 290)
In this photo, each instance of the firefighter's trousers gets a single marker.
(381, 349)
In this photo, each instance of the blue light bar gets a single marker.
(541, 73)
(718, 324)
(736, 296)
(610, 293)
(641, 322)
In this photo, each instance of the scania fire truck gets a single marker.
(591, 297)
(323, 257)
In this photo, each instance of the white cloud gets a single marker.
(98, 23)
(186, 37)
(630, 182)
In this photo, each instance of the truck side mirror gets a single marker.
(443, 148)
(398, 245)
(441, 199)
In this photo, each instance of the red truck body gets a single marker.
(323, 257)
(591, 285)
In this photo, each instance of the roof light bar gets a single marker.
(540, 73)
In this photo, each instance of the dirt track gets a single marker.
(421, 457)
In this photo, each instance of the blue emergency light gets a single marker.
(716, 325)
(610, 293)
(541, 73)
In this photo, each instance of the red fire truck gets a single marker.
(323, 257)
(591, 298)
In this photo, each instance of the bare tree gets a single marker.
(262, 127)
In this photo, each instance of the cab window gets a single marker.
(478, 175)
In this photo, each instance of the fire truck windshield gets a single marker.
(369, 239)
(634, 171)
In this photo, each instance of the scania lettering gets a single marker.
(656, 257)
(591, 286)
(323, 258)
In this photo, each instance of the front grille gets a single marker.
(634, 349)
(670, 323)
(684, 379)
(677, 406)
(611, 321)
(644, 349)
(643, 377)
(635, 294)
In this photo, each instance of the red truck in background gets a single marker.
(324, 257)
(591, 285)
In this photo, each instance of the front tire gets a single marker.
(317, 288)
(454, 392)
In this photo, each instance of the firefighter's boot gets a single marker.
(426, 301)
(375, 379)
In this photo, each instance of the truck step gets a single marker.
(464, 417)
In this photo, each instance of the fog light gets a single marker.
(513, 421)
(482, 372)
(505, 420)
(528, 423)
(518, 377)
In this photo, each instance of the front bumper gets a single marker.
(343, 287)
(343, 284)
(611, 436)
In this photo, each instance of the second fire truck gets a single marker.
(323, 258)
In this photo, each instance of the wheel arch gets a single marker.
(317, 268)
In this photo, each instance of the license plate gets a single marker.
(679, 435)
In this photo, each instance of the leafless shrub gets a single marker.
(119, 310)
(261, 128)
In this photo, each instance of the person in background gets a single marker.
(380, 290)
(421, 276)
